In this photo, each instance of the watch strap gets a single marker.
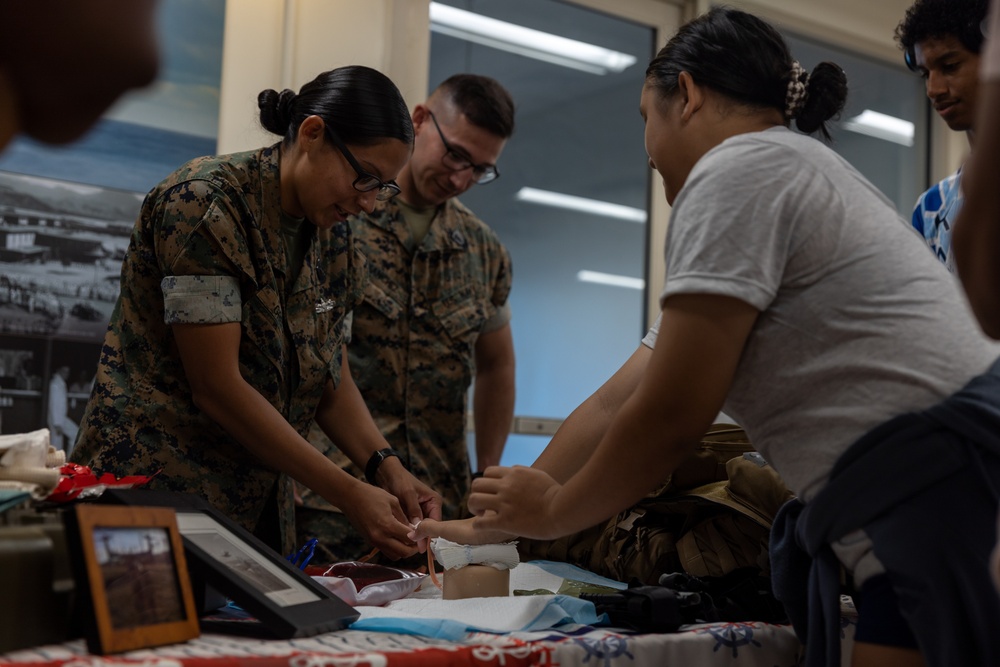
(376, 459)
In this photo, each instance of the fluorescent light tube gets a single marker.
(574, 203)
(610, 279)
(487, 31)
(881, 126)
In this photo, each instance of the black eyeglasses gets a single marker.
(458, 161)
(365, 182)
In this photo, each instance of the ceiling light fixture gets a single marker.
(513, 38)
(881, 126)
(574, 203)
(612, 279)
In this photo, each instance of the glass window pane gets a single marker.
(890, 153)
(578, 133)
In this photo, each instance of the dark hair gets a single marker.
(483, 100)
(747, 60)
(360, 104)
(934, 19)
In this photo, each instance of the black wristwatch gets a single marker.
(376, 460)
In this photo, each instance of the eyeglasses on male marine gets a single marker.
(456, 159)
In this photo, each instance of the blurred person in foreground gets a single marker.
(62, 64)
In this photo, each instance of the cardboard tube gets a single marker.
(475, 581)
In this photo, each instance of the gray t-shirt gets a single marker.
(858, 322)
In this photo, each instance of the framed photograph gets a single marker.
(283, 601)
(132, 577)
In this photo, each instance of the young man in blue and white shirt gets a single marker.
(942, 40)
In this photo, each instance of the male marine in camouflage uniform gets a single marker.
(435, 310)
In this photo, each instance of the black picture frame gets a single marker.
(133, 587)
(223, 555)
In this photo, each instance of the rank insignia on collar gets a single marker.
(325, 305)
(458, 239)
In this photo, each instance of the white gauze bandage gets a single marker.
(453, 556)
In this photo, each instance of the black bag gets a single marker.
(680, 599)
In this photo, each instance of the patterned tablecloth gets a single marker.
(721, 644)
(566, 645)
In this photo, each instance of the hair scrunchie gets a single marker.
(795, 96)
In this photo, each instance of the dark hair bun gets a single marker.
(826, 94)
(276, 110)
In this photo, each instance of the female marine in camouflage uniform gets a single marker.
(227, 339)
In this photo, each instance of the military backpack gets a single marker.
(711, 517)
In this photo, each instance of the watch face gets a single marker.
(375, 461)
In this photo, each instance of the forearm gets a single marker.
(672, 400)
(493, 397)
(673, 403)
(636, 454)
(578, 436)
(493, 406)
(210, 357)
(373, 511)
(344, 417)
(248, 417)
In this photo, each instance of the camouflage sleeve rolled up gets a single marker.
(499, 319)
(202, 250)
(201, 300)
(501, 291)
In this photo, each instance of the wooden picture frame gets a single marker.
(286, 602)
(132, 578)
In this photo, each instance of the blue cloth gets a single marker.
(923, 486)
(557, 610)
(935, 214)
(574, 573)
(790, 567)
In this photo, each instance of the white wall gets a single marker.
(285, 43)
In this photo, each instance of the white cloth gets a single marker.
(426, 613)
(25, 450)
(29, 463)
(452, 555)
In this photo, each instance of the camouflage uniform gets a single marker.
(412, 351)
(207, 248)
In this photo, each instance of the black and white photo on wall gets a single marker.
(66, 214)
